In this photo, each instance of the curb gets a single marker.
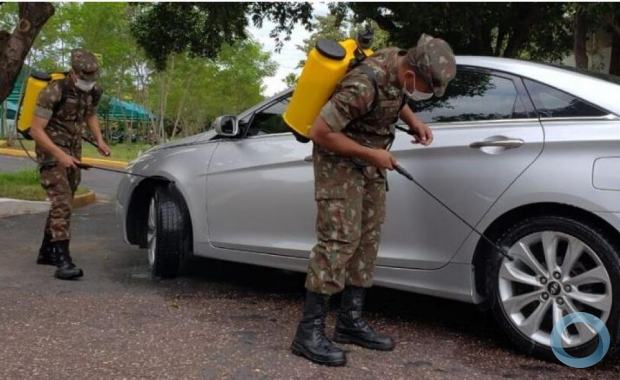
(87, 160)
(84, 199)
(13, 207)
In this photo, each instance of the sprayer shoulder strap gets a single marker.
(370, 73)
(63, 95)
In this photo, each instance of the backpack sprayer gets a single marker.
(325, 67)
(35, 83)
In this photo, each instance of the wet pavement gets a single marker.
(218, 321)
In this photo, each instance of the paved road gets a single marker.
(103, 183)
(218, 321)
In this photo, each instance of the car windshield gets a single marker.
(606, 77)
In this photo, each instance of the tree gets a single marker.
(197, 90)
(530, 30)
(589, 18)
(15, 46)
(164, 29)
(290, 80)
(337, 28)
(580, 32)
(333, 27)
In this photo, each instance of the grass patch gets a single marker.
(122, 152)
(25, 185)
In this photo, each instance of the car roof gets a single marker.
(594, 90)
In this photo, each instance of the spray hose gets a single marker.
(85, 166)
(400, 170)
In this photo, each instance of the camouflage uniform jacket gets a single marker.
(350, 109)
(66, 123)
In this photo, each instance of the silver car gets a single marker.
(528, 153)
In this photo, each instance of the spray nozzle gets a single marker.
(365, 37)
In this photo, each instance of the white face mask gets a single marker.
(84, 85)
(416, 95)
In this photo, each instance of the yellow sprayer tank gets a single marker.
(325, 67)
(36, 82)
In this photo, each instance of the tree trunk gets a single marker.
(499, 44)
(526, 12)
(614, 63)
(580, 38)
(189, 77)
(14, 47)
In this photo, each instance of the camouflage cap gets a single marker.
(85, 64)
(435, 62)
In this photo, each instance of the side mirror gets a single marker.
(226, 126)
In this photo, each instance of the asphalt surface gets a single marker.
(218, 320)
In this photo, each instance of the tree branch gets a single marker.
(14, 47)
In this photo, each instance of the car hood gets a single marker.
(195, 139)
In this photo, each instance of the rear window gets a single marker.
(550, 102)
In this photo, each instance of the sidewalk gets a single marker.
(11, 207)
(114, 164)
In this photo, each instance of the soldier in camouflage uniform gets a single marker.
(63, 109)
(351, 137)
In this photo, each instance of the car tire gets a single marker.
(526, 311)
(167, 233)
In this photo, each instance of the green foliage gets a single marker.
(24, 184)
(332, 27)
(198, 89)
(164, 29)
(536, 30)
(336, 27)
(290, 80)
(204, 76)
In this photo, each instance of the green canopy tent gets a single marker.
(116, 109)
(110, 108)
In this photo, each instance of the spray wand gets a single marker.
(400, 170)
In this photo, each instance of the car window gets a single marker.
(550, 102)
(473, 96)
(270, 120)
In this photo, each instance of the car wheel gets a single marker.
(561, 266)
(166, 234)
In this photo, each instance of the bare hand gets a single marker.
(66, 161)
(423, 134)
(103, 148)
(382, 159)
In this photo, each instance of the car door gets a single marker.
(486, 135)
(260, 191)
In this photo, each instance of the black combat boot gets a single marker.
(66, 269)
(351, 328)
(310, 340)
(47, 256)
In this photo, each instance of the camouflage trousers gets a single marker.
(60, 185)
(351, 211)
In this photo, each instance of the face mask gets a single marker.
(84, 85)
(416, 95)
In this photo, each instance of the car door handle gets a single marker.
(506, 143)
(308, 158)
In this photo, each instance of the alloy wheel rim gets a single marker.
(553, 274)
(151, 233)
